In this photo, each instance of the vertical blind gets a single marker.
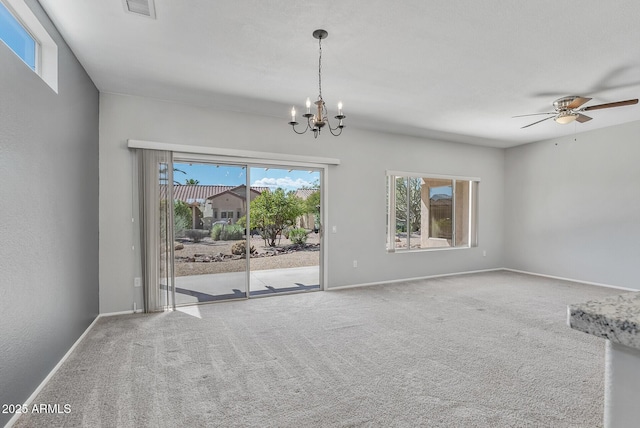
(155, 169)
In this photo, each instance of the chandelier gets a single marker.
(320, 119)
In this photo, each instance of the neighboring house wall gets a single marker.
(356, 189)
(230, 204)
(308, 220)
(48, 260)
(573, 206)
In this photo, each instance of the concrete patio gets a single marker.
(224, 286)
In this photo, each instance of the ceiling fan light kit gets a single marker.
(569, 109)
(318, 120)
(565, 118)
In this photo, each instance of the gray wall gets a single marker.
(356, 189)
(572, 206)
(48, 216)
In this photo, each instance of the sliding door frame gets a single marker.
(247, 162)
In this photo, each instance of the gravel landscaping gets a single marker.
(209, 256)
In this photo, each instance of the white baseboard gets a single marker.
(571, 280)
(113, 314)
(37, 391)
(394, 281)
(367, 284)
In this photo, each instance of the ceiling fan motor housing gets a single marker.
(562, 104)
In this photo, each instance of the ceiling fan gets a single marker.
(568, 109)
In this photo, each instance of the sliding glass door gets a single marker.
(210, 223)
(285, 230)
(214, 231)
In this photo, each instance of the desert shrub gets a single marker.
(180, 226)
(181, 218)
(196, 235)
(232, 232)
(240, 248)
(298, 235)
(227, 232)
(216, 231)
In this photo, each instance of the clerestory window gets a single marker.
(17, 38)
(23, 33)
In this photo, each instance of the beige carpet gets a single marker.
(481, 350)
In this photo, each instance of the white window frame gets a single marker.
(391, 206)
(46, 48)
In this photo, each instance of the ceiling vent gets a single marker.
(140, 7)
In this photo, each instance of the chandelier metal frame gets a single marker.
(317, 121)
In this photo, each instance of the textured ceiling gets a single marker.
(454, 70)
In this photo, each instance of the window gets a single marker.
(23, 33)
(431, 211)
(14, 35)
(223, 214)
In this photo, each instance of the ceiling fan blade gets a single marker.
(577, 102)
(609, 105)
(531, 124)
(533, 114)
(582, 118)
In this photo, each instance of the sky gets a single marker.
(16, 37)
(235, 176)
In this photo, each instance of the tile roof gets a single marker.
(305, 193)
(190, 193)
(199, 193)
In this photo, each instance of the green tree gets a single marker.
(312, 203)
(191, 182)
(312, 206)
(272, 212)
(415, 201)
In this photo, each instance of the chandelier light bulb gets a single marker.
(308, 105)
(340, 107)
(293, 114)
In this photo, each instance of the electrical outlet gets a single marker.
(137, 282)
(334, 229)
(484, 253)
(355, 263)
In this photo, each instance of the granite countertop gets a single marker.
(616, 318)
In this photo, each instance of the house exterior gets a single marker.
(210, 204)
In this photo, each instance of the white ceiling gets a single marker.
(454, 70)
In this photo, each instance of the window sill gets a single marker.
(425, 250)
